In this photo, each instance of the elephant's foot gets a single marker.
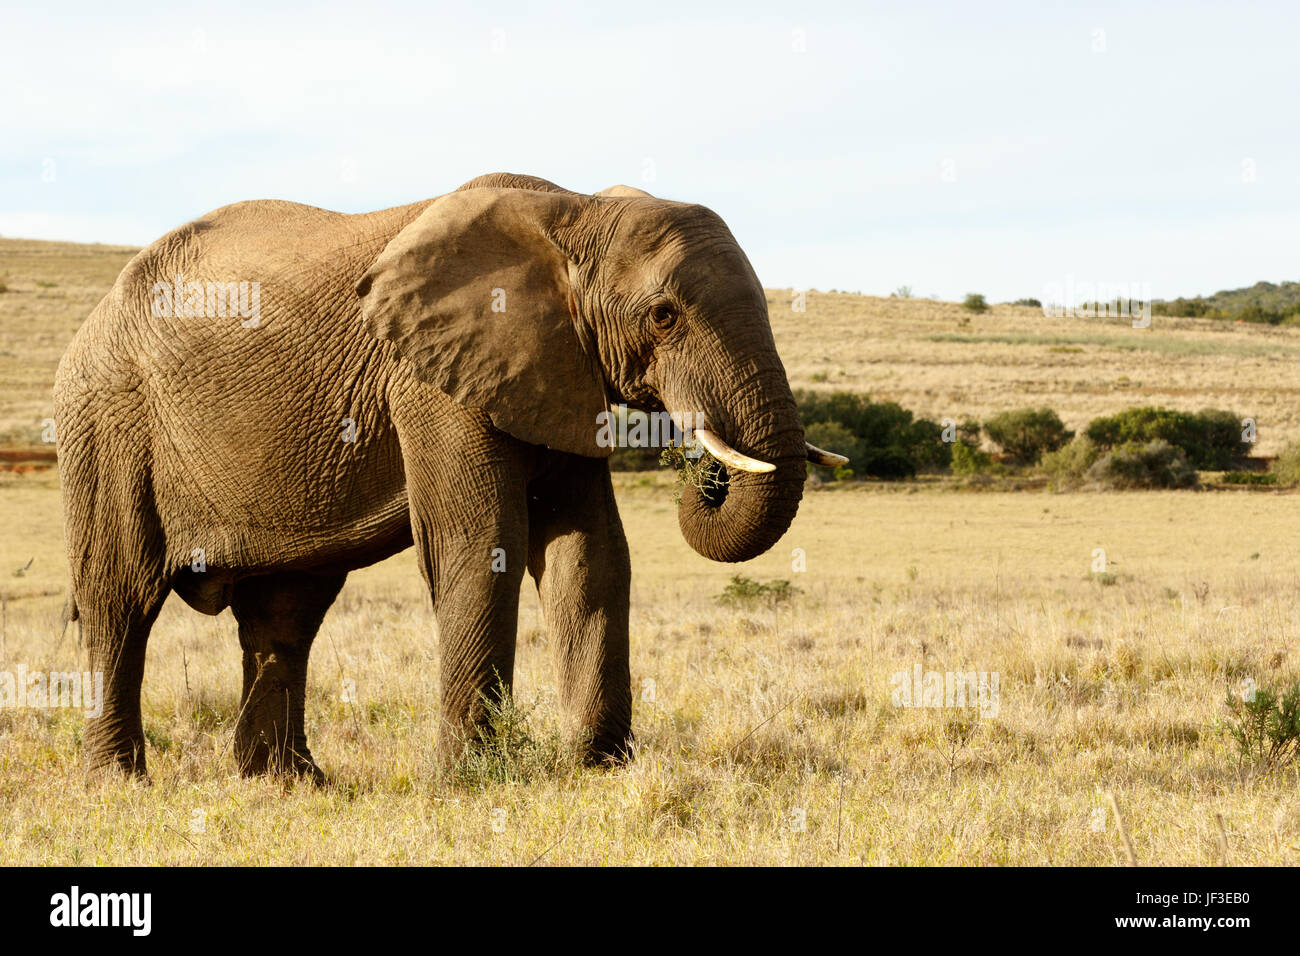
(608, 749)
(110, 754)
(257, 754)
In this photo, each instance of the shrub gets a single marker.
(975, 303)
(634, 459)
(1067, 466)
(1210, 438)
(1218, 443)
(1248, 478)
(1155, 464)
(745, 592)
(968, 432)
(1031, 303)
(1287, 466)
(887, 442)
(506, 750)
(1028, 433)
(968, 460)
(926, 447)
(1266, 728)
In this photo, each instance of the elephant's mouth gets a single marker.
(713, 484)
(739, 505)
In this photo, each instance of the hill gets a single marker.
(932, 357)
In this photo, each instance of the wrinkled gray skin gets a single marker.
(475, 430)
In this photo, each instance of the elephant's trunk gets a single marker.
(754, 510)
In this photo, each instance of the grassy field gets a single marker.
(767, 732)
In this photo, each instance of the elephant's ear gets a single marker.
(475, 295)
(624, 192)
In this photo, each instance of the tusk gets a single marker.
(720, 450)
(828, 458)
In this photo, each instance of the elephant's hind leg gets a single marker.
(115, 553)
(278, 615)
(116, 630)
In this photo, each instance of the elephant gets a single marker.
(429, 375)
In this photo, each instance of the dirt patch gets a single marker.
(21, 460)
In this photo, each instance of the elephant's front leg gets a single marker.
(470, 524)
(579, 558)
(476, 601)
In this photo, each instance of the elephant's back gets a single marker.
(234, 347)
(253, 282)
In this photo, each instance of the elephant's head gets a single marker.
(543, 307)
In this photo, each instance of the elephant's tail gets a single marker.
(70, 614)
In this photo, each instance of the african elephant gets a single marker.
(427, 375)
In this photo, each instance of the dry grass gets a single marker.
(758, 713)
(761, 717)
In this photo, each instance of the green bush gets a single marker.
(968, 460)
(1287, 466)
(1248, 478)
(746, 592)
(1250, 312)
(1027, 434)
(1031, 303)
(975, 303)
(968, 432)
(1210, 438)
(1266, 728)
(1067, 466)
(634, 459)
(1219, 444)
(885, 440)
(505, 749)
(1154, 464)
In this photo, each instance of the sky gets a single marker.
(1003, 148)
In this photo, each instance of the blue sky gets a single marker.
(951, 147)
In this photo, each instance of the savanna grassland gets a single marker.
(765, 728)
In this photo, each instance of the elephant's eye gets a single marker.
(663, 317)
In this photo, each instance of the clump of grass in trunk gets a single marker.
(704, 473)
(1266, 729)
(507, 750)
